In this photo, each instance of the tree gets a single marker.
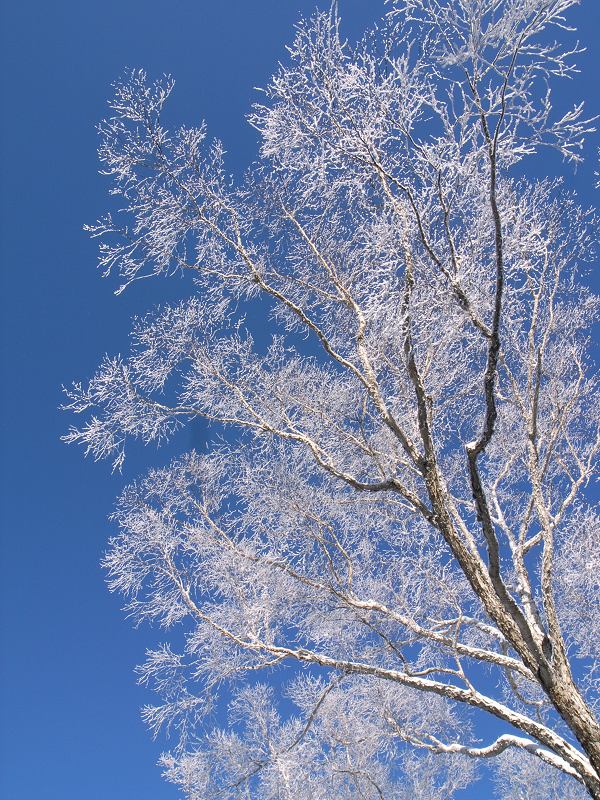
(392, 526)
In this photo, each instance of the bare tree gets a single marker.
(392, 525)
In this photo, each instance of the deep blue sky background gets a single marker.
(69, 724)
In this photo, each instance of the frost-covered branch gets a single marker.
(396, 483)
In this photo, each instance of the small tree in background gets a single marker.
(392, 536)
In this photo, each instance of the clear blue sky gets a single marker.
(70, 725)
